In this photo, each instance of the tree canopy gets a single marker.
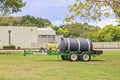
(93, 9)
(78, 30)
(106, 34)
(11, 6)
(109, 33)
(26, 20)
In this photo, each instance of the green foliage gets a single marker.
(55, 27)
(7, 21)
(75, 29)
(79, 30)
(26, 20)
(63, 31)
(92, 33)
(93, 9)
(9, 47)
(109, 33)
(11, 6)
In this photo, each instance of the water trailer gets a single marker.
(73, 49)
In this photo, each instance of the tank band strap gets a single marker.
(68, 44)
(78, 44)
(88, 44)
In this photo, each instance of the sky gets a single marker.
(55, 11)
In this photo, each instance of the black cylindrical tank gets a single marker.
(75, 44)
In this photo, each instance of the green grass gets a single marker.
(43, 67)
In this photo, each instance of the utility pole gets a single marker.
(9, 32)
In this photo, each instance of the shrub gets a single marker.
(9, 47)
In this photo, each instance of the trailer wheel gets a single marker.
(73, 56)
(64, 57)
(85, 56)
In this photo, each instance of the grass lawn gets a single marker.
(43, 67)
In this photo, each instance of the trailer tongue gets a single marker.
(73, 49)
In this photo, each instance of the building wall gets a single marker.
(58, 39)
(46, 38)
(110, 45)
(28, 37)
(46, 31)
(20, 36)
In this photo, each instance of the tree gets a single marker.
(28, 20)
(10, 6)
(55, 28)
(92, 33)
(75, 29)
(81, 30)
(64, 32)
(109, 33)
(8, 21)
(93, 9)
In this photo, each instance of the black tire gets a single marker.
(73, 56)
(64, 57)
(85, 56)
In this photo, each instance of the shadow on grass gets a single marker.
(97, 60)
(10, 53)
(50, 60)
(68, 61)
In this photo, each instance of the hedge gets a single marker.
(9, 47)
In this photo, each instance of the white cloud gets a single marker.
(105, 22)
(58, 22)
(101, 24)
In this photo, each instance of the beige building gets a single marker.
(27, 37)
(45, 36)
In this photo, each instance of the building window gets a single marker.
(46, 38)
